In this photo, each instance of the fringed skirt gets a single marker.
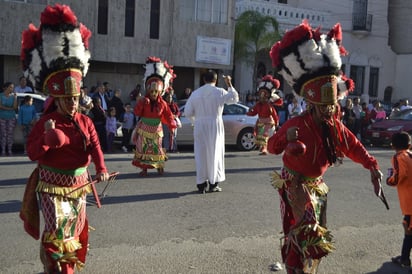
(148, 140)
(303, 209)
(264, 129)
(63, 204)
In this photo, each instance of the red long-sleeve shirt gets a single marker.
(157, 109)
(72, 154)
(264, 110)
(314, 162)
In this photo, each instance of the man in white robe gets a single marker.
(205, 108)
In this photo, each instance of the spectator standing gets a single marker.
(108, 91)
(101, 94)
(250, 100)
(27, 117)
(399, 176)
(187, 93)
(98, 116)
(311, 143)
(153, 111)
(8, 108)
(365, 120)
(111, 128)
(349, 117)
(374, 111)
(357, 110)
(294, 108)
(205, 107)
(23, 87)
(169, 138)
(129, 122)
(86, 102)
(117, 103)
(404, 104)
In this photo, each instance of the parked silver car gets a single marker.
(238, 127)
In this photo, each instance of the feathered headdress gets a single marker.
(269, 86)
(310, 61)
(345, 86)
(269, 83)
(55, 56)
(156, 69)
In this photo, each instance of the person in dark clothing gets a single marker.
(98, 116)
(117, 103)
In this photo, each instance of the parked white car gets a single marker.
(239, 127)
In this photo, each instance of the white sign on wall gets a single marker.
(213, 50)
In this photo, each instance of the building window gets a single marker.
(129, 18)
(102, 23)
(373, 82)
(283, 1)
(154, 19)
(357, 74)
(210, 11)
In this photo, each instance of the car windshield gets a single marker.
(402, 115)
(233, 110)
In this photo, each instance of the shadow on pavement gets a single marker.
(389, 267)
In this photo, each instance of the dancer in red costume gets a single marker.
(153, 111)
(312, 142)
(268, 118)
(63, 141)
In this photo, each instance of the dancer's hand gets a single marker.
(102, 177)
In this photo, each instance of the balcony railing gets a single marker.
(362, 22)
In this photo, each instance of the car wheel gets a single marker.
(246, 139)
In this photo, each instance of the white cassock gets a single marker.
(205, 107)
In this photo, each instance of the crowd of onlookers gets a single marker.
(356, 115)
(101, 103)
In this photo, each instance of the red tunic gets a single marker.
(158, 109)
(264, 110)
(314, 162)
(71, 155)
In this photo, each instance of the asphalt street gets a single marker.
(160, 224)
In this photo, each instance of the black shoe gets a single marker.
(403, 263)
(215, 188)
(202, 188)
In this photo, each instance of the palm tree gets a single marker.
(254, 33)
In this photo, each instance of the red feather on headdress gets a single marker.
(269, 78)
(303, 31)
(153, 59)
(58, 14)
(86, 34)
(30, 39)
(336, 33)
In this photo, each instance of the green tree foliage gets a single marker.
(254, 33)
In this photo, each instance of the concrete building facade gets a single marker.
(375, 33)
(192, 35)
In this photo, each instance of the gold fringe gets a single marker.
(276, 181)
(150, 135)
(151, 158)
(322, 242)
(322, 189)
(63, 191)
